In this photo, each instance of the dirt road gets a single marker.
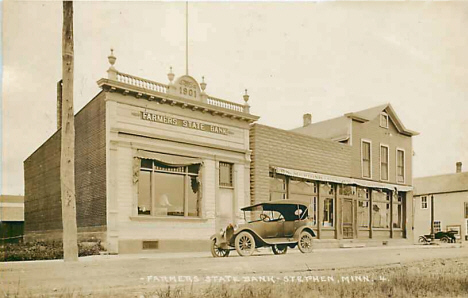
(126, 272)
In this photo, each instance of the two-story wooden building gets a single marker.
(354, 170)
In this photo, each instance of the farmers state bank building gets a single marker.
(157, 166)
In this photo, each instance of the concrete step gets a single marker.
(352, 245)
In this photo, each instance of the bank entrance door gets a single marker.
(348, 219)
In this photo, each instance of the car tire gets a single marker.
(279, 249)
(245, 244)
(422, 240)
(305, 242)
(218, 252)
(445, 239)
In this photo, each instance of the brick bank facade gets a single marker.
(158, 167)
(161, 167)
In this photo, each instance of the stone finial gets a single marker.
(112, 72)
(170, 76)
(203, 85)
(111, 57)
(246, 104)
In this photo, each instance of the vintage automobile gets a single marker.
(447, 237)
(277, 224)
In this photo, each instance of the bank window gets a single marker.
(437, 226)
(366, 159)
(380, 210)
(328, 211)
(384, 120)
(400, 166)
(165, 190)
(424, 202)
(383, 162)
(225, 174)
(277, 187)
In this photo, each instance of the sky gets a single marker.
(323, 58)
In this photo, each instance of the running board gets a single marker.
(280, 241)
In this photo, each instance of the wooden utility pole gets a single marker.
(67, 157)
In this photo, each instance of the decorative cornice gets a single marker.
(164, 98)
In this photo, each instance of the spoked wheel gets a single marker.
(305, 242)
(218, 252)
(445, 239)
(422, 240)
(279, 249)
(245, 244)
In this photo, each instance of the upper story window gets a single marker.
(384, 162)
(424, 202)
(437, 226)
(225, 174)
(384, 120)
(400, 158)
(466, 210)
(366, 157)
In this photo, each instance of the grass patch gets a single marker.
(43, 250)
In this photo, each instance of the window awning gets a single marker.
(167, 159)
(340, 180)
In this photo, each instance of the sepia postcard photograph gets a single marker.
(232, 149)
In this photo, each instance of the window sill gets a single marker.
(149, 218)
(226, 187)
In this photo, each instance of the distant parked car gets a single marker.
(447, 237)
(277, 224)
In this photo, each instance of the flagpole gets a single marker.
(186, 37)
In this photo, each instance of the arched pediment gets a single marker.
(186, 87)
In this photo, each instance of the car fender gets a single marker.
(304, 228)
(258, 238)
(217, 237)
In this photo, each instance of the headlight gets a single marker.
(221, 231)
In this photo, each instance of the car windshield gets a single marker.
(276, 212)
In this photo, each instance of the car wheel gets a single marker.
(245, 244)
(422, 240)
(445, 239)
(218, 252)
(279, 249)
(305, 242)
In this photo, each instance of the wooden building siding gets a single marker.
(372, 131)
(276, 147)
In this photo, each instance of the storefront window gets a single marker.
(380, 210)
(328, 211)
(168, 190)
(277, 187)
(363, 214)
